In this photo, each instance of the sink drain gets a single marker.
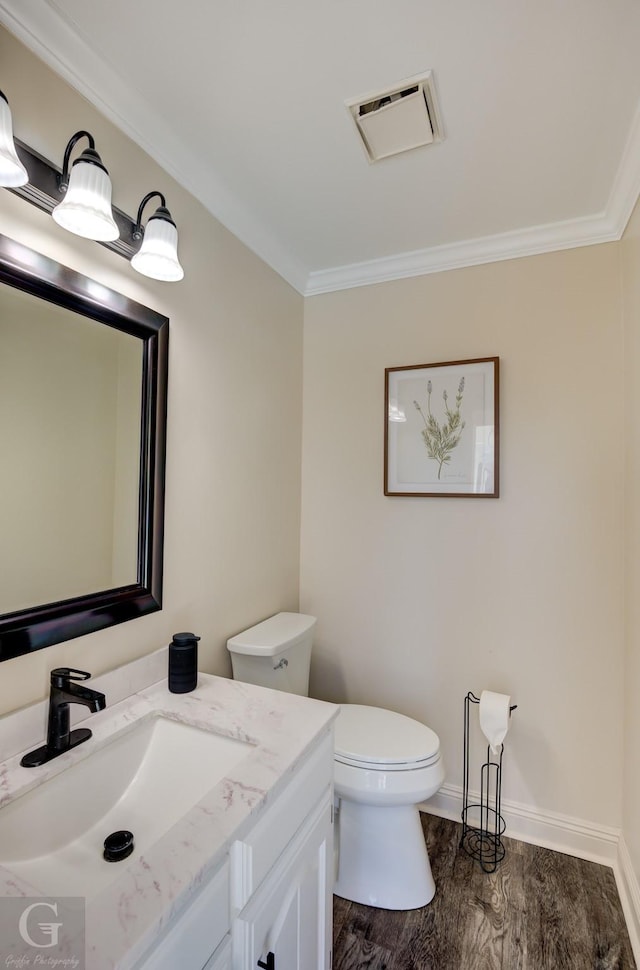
(118, 845)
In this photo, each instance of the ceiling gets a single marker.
(244, 104)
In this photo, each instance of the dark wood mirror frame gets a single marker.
(27, 630)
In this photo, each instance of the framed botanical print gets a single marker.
(441, 431)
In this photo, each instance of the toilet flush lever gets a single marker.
(283, 663)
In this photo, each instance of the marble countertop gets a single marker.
(124, 918)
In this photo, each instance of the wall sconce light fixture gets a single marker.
(12, 171)
(158, 254)
(79, 199)
(86, 207)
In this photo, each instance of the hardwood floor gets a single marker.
(541, 910)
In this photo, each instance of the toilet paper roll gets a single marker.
(494, 717)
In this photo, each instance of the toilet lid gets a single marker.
(372, 736)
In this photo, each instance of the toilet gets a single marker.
(385, 764)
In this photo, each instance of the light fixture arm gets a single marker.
(88, 155)
(161, 213)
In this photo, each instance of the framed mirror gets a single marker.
(83, 395)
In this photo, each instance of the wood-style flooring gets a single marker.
(541, 910)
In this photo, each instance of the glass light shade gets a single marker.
(86, 207)
(158, 254)
(12, 171)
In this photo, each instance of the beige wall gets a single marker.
(233, 474)
(631, 292)
(421, 599)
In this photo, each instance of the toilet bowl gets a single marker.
(385, 764)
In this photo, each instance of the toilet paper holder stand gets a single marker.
(483, 824)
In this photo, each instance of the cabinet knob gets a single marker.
(270, 964)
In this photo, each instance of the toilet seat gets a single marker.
(381, 766)
(379, 740)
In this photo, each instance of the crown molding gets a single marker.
(70, 56)
(585, 231)
(625, 190)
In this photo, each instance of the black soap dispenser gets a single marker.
(183, 663)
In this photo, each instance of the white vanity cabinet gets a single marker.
(269, 903)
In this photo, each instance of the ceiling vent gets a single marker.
(399, 119)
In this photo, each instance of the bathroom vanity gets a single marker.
(228, 792)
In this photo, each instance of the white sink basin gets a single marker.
(144, 780)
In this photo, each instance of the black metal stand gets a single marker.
(483, 842)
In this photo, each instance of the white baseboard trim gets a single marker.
(629, 892)
(596, 843)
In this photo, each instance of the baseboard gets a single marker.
(597, 843)
(629, 892)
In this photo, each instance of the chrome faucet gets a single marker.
(65, 691)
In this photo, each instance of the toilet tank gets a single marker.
(275, 653)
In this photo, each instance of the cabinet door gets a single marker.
(287, 924)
